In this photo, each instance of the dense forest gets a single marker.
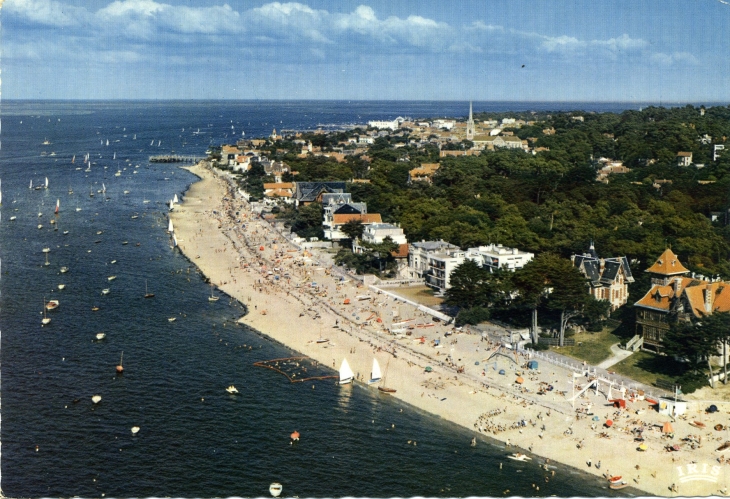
(551, 201)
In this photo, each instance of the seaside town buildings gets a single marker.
(676, 294)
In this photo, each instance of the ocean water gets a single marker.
(195, 440)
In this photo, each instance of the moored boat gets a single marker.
(232, 389)
(518, 456)
(275, 489)
(52, 304)
(346, 374)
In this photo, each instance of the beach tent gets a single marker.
(532, 364)
(501, 371)
(667, 428)
(712, 408)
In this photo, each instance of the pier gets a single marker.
(175, 158)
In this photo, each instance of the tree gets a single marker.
(694, 343)
(353, 229)
(467, 285)
(569, 293)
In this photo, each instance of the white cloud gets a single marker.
(45, 12)
(674, 58)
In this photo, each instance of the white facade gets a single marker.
(392, 125)
(496, 256)
(419, 253)
(375, 233)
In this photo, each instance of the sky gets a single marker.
(484, 50)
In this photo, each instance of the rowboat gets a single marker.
(697, 424)
(52, 305)
(618, 485)
(518, 456)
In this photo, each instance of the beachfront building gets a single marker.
(675, 294)
(608, 278)
(419, 253)
(496, 256)
(311, 192)
(339, 208)
(390, 125)
(279, 191)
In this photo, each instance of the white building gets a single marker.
(496, 256)
(376, 233)
(392, 125)
(419, 253)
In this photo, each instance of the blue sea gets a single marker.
(195, 440)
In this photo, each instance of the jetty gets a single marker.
(175, 158)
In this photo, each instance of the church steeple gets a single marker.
(470, 124)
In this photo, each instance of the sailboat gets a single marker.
(1, 193)
(174, 241)
(174, 200)
(346, 374)
(382, 387)
(147, 294)
(169, 226)
(120, 367)
(31, 184)
(73, 160)
(47, 262)
(46, 320)
(46, 183)
(58, 205)
(171, 206)
(212, 297)
(115, 156)
(158, 143)
(135, 137)
(152, 143)
(107, 142)
(375, 375)
(103, 188)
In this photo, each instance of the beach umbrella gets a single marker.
(596, 418)
(643, 447)
(609, 423)
(520, 380)
(667, 428)
(501, 371)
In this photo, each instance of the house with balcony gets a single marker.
(419, 253)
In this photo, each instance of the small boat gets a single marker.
(94, 308)
(124, 243)
(174, 199)
(46, 320)
(120, 367)
(383, 388)
(171, 319)
(169, 226)
(614, 478)
(135, 430)
(275, 489)
(47, 262)
(518, 456)
(322, 340)
(134, 217)
(105, 291)
(231, 389)
(346, 374)
(46, 250)
(58, 206)
(40, 214)
(40, 226)
(52, 304)
(96, 399)
(100, 336)
(61, 286)
(375, 374)
(618, 485)
(111, 278)
(126, 192)
(13, 218)
(294, 436)
(64, 270)
(697, 424)
(147, 294)
(212, 297)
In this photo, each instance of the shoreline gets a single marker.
(241, 262)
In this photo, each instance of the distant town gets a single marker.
(549, 223)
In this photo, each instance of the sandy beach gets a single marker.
(247, 259)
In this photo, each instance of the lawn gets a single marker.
(419, 294)
(590, 347)
(648, 368)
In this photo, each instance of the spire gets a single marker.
(470, 124)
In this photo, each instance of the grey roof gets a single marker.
(308, 191)
(348, 209)
(434, 245)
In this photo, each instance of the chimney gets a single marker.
(708, 298)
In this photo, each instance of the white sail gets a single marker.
(171, 206)
(46, 182)
(169, 227)
(31, 184)
(158, 143)
(107, 141)
(376, 374)
(174, 240)
(174, 200)
(346, 373)
(151, 143)
(103, 187)
(1, 193)
(115, 156)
